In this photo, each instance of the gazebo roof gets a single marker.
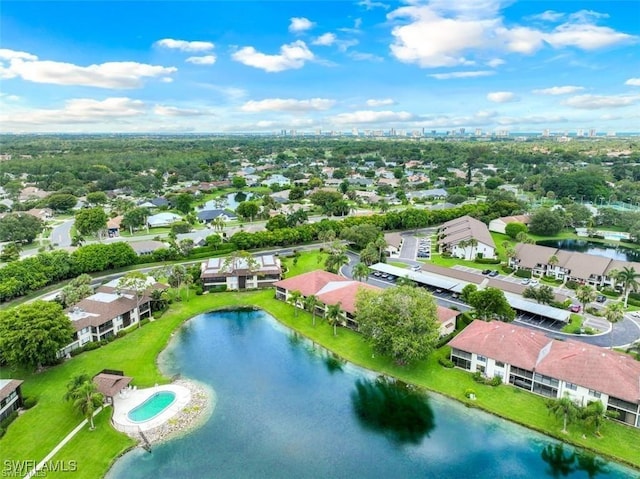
(111, 384)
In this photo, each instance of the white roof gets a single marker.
(431, 279)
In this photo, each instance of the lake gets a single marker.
(598, 249)
(228, 202)
(287, 409)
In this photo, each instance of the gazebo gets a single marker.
(110, 383)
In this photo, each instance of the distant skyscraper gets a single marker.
(478, 132)
(592, 133)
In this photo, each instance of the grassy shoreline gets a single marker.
(39, 429)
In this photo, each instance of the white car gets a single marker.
(525, 281)
(636, 314)
(534, 282)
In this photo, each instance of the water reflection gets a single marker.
(590, 247)
(563, 462)
(334, 363)
(393, 408)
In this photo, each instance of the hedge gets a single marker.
(522, 273)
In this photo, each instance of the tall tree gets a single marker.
(77, 289)
(399, 322)
(585, 294)
(628, 276)
(563, 408)
(295, 298)
(20, 227)
(32, 334)
(334, 315)
(85, 397)
(91, 221)
(491, 303)
(361, 272)
(337, 257)
(311, 302)
(136, 283)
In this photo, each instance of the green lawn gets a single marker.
(307, 261)
(36, 432)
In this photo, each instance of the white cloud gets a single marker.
(586, 36)
(371, 116)
(287, 104)
(465, 74)
(81, 110)
(300, 24)
(548, 16)
(502, 97)
(370, 5)
(449, 33)
(379, 102)
(6, 54)
(292, 56)
(559, 90)
(185, 46)
(326, 39)
(174, 111)
(633, 82)
(166, 80)
(595, 102)
(115, 75)
(204, 60)
(495, 62)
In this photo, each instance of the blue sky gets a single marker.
(232, 66)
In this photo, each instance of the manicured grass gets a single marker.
(34, 434)
(575, 323)
(307, 261)
(398, 264)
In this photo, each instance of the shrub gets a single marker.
(495, 381)
(507, 269)
(487, 260)
(144, 321)
(469, 393)
(91, 346)
(29, 402)
(198, 290)
(121, 333)
(477, 377)
(522, 273)
(572, 284)
(446, 362)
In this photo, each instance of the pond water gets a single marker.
(228, 202)
(287, 409)
(614, 252)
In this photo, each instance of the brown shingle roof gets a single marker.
(8, 387)
(503, 342)
(446, 314)
(464, 228)
(111, 384)
(530, 255)
(343, 292)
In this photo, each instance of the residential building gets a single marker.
(43, 214)
(276, 180)
(499, 224)
(238, 273)
(207, 216)
(113, 226)
(432, 194)
(467, 238)
(163, 219)
(394, 243)
(566, 265)
(147, 247)
(529, 360)
(10, 397)
(107, 311)
(331, 289)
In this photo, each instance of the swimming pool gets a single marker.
(152, 406)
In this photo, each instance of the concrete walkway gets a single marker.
(60, 445)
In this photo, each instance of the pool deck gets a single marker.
(132, 398)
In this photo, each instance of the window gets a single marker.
(593, 393)
(481, 359)
(499, 364)
(571, 386)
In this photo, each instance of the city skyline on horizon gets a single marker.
(264, 67)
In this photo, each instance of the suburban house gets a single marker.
(331, 289)
(568, 265)
(207, 216)
(163, 219)
(113, 226)
(10, 397)
(499, 224)
(43, 214)
(237, 273)
(277, 179)
(466, 237)
(394, 244)
(433, 194)
(530, 360)
(147, 247)
(107, 311)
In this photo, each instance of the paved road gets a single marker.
(61, 234)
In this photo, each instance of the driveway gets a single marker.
(61, 234)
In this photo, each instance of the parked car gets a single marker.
(575, 308)
(525, 281)
(534, 282)
(636, 314)
(486, 271)
(416, 267)
(493, 273)
(601, 298)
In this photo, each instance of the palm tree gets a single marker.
(628, 276)
(585, 294)
(333, 314)
(85, 397)
(188, 281)
(564, 408)
(337, 257)
(595, 414)
(294, 298)
(361, 272)
(381, 244)
(311, 302)
(614, 312)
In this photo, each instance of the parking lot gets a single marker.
(424, 248)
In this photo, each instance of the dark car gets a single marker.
(486, 271)
(575, 308)
(601, 298)
(493, 273)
